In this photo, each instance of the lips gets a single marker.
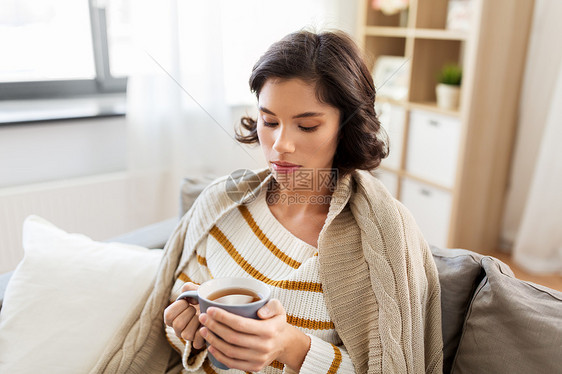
(284, 167)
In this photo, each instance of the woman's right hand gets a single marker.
(183, 317)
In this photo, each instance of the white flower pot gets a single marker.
(447, 96)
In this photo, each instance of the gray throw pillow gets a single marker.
(459, 275)
(512, 326)
(191, 188)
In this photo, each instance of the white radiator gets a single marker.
(100, 207)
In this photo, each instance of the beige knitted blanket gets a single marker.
(382, 297)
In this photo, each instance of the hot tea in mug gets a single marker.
(241, 296)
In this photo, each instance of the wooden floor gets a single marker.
(550, 280)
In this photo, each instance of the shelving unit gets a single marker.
(450, 167)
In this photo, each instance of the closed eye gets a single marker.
(308, 129)
(270, 124)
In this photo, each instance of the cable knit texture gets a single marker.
(379, 280)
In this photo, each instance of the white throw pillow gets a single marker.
(68, 297)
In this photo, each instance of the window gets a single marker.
(62, 48)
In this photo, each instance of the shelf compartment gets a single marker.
(376, 17)
(429, 57)
(431, 14)
(383, 46)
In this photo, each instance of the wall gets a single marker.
(58, 150)
(74, 173)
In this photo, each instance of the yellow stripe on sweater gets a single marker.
(264, 239)
(336, 362)
(310, 323)
(202, 260)
(248, 268)
(185, 278)
(207, 367)
(277, 365)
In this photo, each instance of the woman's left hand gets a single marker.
(250, 345)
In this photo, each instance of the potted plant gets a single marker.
(448, 87)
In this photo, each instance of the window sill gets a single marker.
(15, 112)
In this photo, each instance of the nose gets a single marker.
(283, 141)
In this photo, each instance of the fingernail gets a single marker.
(203, 332)
(265, 310)
(203, 318)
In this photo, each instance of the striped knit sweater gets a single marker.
(378, 277)
(250, 242)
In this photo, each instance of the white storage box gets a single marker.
(431, 208)
(433, 147)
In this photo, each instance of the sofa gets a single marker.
(492, 322)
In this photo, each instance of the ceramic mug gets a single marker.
(240, 296)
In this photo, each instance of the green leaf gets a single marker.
(450, 74)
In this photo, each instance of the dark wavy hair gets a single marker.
(332, 62)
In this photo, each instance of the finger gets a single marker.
(198, 341)
(228, 361)
(173, 311)
(232, 356)
(191, 328)
(225, 321)
(271, 309)
(182, 320)
(189, 286)
(234, 337)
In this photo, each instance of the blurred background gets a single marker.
(106, 105)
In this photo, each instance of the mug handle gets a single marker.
(189, 296)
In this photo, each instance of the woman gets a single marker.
(316, 126)
(353, 282)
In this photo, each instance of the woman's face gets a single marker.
(297, 133)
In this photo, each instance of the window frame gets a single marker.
(103, 83)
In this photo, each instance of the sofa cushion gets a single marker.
(512, 326)
(68, 297)
(191, 188)
(152, 236)
(459, 275)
